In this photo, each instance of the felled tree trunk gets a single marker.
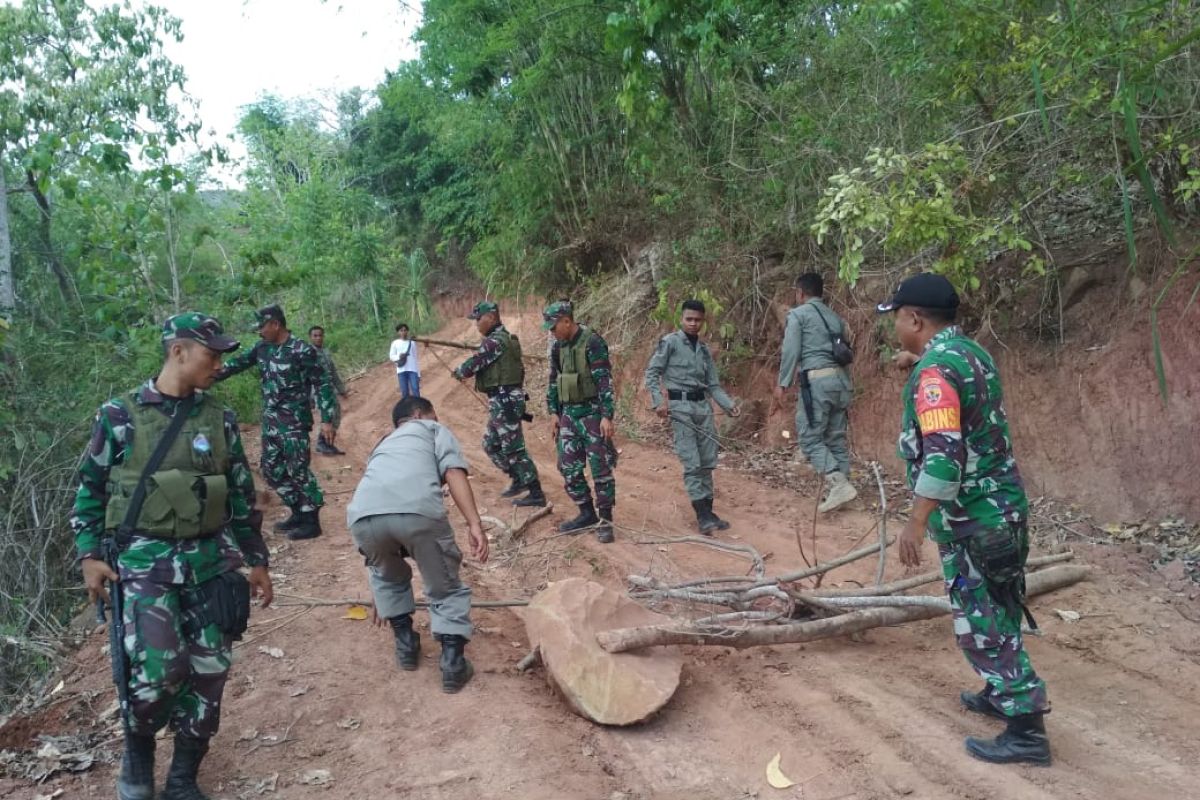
(623, 639)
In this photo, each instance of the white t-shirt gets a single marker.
(404, 473)
(401, 346)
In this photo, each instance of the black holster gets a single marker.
(806, 396)
(223, 601)
(999, 555)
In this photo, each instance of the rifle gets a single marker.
(112, 552)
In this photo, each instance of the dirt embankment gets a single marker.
(315, 707)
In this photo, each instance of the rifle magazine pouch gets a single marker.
(223, 601)
(999, 554)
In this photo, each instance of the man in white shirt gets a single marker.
(403, 354)
(397, 512)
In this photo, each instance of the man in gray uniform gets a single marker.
(686, 365)
(825, 391)
(396, 512)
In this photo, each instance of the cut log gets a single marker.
(632, 638)
(613, 689)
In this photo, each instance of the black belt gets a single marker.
(495, 390)
(695, 397)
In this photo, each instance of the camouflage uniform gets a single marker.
(291, 373)
(177, 674)
(504, 439)
(689, 371)
(335, 380)
(956, 442)
(579, 439)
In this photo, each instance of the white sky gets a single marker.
(236, 50)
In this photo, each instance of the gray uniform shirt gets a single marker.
(404, 473)
(684, 367)
(806, 343)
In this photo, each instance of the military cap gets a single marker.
(926, 290)
(483, 307)
(556, 311)
(199, 328)
(267, 313)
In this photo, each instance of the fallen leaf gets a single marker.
(786, 434)
(350, 723)
(273, 652)
(57, 688)
(297, 691)
(57, 793)
(267, 784)
(248, 735)
(356, 612)
(1068, 615)
(316, 777)
(775, 776)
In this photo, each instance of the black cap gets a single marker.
(926, 290)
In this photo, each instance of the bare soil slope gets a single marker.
(873, 718)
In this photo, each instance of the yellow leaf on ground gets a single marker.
(775, 776)
(356, 612)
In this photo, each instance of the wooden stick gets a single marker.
(623, 639)
(820, 569)
(465, 346)
(882, 525)
(900, 601)
(532, 658)
(924, 578)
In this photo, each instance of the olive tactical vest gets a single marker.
(575, 381)
(507, 370)
(186, 497)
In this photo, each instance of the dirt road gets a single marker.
(875, 718)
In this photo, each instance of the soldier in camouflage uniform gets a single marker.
(686, 365)
(316, 337)
(183, 540)
(291, 372)
(580, 398)
(500, 374)
(968, 497)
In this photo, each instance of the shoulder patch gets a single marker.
(938, 409)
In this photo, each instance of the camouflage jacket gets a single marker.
(291, 373)
(489, 350)
(165, 560)
(601, 367)
(956, 441)
(335, 380)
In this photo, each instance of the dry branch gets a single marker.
(623, 639)
(924, 578)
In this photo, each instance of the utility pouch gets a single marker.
(999, 555)
(223, 601)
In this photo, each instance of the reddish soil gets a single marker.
(877, 717)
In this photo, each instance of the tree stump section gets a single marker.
(562, 622)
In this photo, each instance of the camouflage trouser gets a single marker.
(504, 439)
(337, 411)
(695, 444)
(990, 636)
(580, 444)
(284, 463)
(176, 676)
(823, 438)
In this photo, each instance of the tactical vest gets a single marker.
(507, 370)
(186, 497)
(575, 381)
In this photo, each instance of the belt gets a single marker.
(695, 397)
(824, 372)
(495, 390)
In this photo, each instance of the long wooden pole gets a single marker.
(622, 639)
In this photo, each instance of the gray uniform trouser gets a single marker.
(385, 540)
(695, 444)
(823, 438)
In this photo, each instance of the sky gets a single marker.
(234, 51)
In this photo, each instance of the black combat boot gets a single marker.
(285, 525)
(309, 526)
(980, 702)
(1024, 741)
(536, 497)
(408, 642)
(703, 520)
(514, 489)
(713, 520)
(586, 519)
(325, 448)
(456, 669)
(185, 766)
(604, 531)
(136, 781)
